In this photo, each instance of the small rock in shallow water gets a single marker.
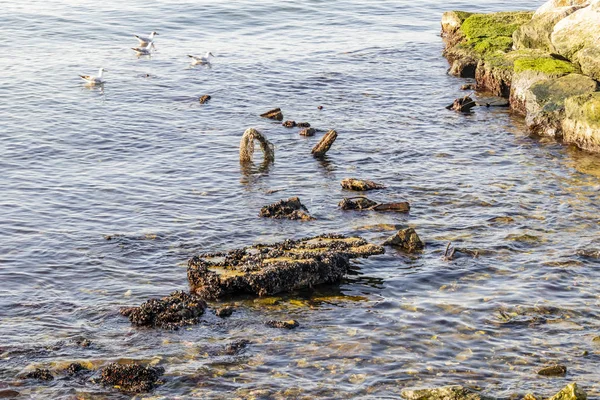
(291, 208)
(275, 114)
(131, 377)
(406, 239)
(463, 104)
(291, 324)
(553, 370)
(303, 125)
(171, 312)
(308, 132)
(41, 374)
(8, 394)
(224, 312)
(236, 347)
(443, 393)
(204, 99)
(356, 203)
(83, 342)
(320, 107)
(468, 86)
(289, 124)
(360, 185)
(75, 369)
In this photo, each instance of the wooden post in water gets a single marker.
(325, 144)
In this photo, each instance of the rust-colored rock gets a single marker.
(360, 185)
(325, 144)
(269, 269)
(275, 114)
(291, 208)
(131, 377)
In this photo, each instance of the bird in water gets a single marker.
(144, 51)
(201, 60)
(145, 40)
(94, 80)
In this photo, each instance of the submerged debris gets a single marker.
(291, 208)
(451, 252)
(41, 374)
(553, 370)
(171, 312)
(224, 312)
(462, 104)
(291, 324)
(360, 185)
(406, 239)
(325, 144)
(269, 269)
(235, 348)
(362, 203)
(273, 114)
(307, 132)
(247, 146)
(205, 98)
(289, 124)
(131, 377)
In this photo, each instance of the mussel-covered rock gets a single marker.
(75, 369)
(291, 324)
(291, 208)
(406, 239)
(360, 185)
(269, 269)
(289, 124)
(356, 203)
(171, 312)
(131, 377)
(41, 374)
(275, 114)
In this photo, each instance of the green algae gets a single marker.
(487, 33)
(546, 65)
(585, 108)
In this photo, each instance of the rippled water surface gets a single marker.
(141, 160)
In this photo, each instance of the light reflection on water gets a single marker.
(141, 158)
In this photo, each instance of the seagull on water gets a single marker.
(144, 51)
(201, 60)
(144, 41)
(94, 80)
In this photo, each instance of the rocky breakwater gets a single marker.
(547, 63)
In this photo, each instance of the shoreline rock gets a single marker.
(131, 377)
(291, 208)
(545, 63)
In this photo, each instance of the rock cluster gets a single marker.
(171, 312)
(131, 377)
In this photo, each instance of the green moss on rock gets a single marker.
(584, 108)
(545, 65)
(494, 24)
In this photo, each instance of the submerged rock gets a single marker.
(553, 370)
(131, 377)
(307, 132)
(289, 124)
(291, 324)
(362, 203)
(41, 374)
(171, 312)
(204, 99)
(454, 392)
(570, 392)
(462, 104)
(325, 144)
(291, 208)
(224, 312)
(75, 369)
(360, 185)
(303, 125)
(269, 269)
(406, 239)
(235, 348)
(275, 114)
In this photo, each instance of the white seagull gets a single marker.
(201, 60)
(144, 41)
(144, 51)
(94, 80)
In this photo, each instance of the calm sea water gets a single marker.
(142, 160)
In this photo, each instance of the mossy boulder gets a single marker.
(577, 31)
(588, 59)
(570, 392)
(454, 392)
(551, 5)
(452, 21)
(536, 33)
(487, 33)
(533, 69)
(545, 102)
(581, 125)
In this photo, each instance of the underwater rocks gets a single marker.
(224, 312)
(362, 203)
(40, 374)
(553, 370)
(76, 369)
(275, 114)
(131, 377)
(171, 312)
(289, 124)
(307, 132)
(269, 269)
(291, 208)
(360, 185)
(324, 144)
(406, 239)
(462, 104)
(291, 324)
(454, 392)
